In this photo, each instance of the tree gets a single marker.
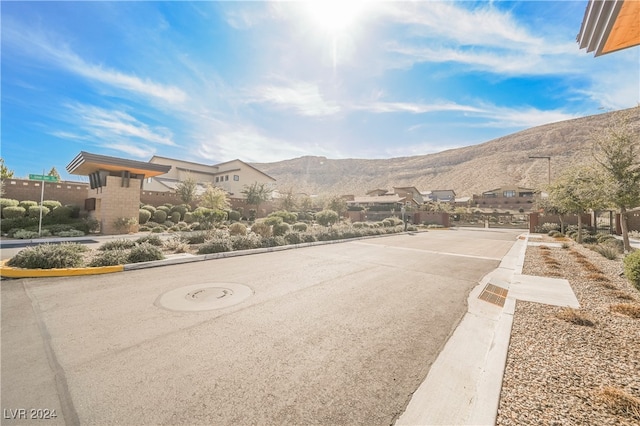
(256, 194)
(214, 198)
(337, 204)
(327, 217)
(187, 190)
(617, 150)
(549, 206)
(577, 190)
(288, 201)
(5, 173)
(54, 172)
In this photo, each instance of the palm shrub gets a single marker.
(48, 256)
(110, 258)
(13, 212)
(160, 216)
(632, 268)
(144, 252)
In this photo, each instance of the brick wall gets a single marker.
(113, 202)
(66, 192)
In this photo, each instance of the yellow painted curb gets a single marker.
(9, 272)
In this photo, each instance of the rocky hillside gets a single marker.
(470, 170)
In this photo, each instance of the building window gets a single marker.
(236, 178)
(226, 177)
(509, 193)
(217, 179)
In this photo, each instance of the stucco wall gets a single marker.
(29, 190)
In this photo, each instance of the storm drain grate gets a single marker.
(494, 294)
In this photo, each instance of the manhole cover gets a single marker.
(204, 297)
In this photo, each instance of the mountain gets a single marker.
(469, 170)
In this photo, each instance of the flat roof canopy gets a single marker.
(86, 163)
(609, 26)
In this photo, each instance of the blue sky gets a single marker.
(267, 81)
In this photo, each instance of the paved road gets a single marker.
(334, 334)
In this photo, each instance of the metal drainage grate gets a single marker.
(494, 294)
(204, 297)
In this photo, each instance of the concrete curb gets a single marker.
(9, 272)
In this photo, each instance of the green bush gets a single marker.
(110, 258)
(164, 208)
(359, 225)
(175, 217)
(119, 244)
(216, 245)
(287, 217)
(75, 210)
(195, 237)
(234, 216)
(158, 229)
(23, 234)
(246, 242)
(589, 239)
(273, 242)
(144, 252)
(309, 238)
(299, 226)
(293, 238)
(632, 268)
(34, 211)
(70, 233)
(609, 252)
(554, 234)
(188, 217)
(176, 245)
(280, 229)
(61, 213)
(143, 216)
(154, 240)
(18, 223)
(51, 204)
(13, 212)
(159, 216)
(261, 228)
(149, 208)
(26, 204)
(8, 202)
(48, 256)
(546, 227)
(180, 208)
(237, 229)
(273, 220)
(327, 217)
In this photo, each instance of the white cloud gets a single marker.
(414, 108)
(521, 117)
(47, 49)
(303, 98)
(134, 151)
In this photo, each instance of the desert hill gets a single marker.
(469, 170)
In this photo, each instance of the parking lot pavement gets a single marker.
(336, 334)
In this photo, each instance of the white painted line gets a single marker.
(428, 251)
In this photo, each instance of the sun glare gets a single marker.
(334, 16)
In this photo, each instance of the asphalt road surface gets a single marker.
(338, 334)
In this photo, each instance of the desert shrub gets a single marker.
(164, 208)
(412, 228)
(23, 234)
(293, 238)
(176, 245)
(70, 233)
(159, 216)
(246, 242)
(143, 216)
(273, 242)
(180, 208)
(632, 268)
(554, 234)
(308, 238)
(261, 228)
(110, 258)
(51, 204)
(234, 216)
(237, 229)
(158, 229)
(194, 237)
(287, 217)
(327, 217)
(149, 208)
(299, 226)
(216, 245)
(589, 239)
(48, 256)
(629, 309)
(61, 213)
(615, 243)
(359, 225)
(273, 220)
(125, 224)
(154, 240)
(620, 401)
(34, 211)
(605, 237)
(119, 244)
(175, 217)
(634, 234)
(546, 227)
(8, 202)
(575, 316)
(566, 245)
(13, 212)
(280, 229)
(188, 217)
(26, 204)
(144, 252)
(609, 252)
(144, 228)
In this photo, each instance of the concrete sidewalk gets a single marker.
(463, 385)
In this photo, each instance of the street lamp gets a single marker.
(548, 159)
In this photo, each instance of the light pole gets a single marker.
(548, 159)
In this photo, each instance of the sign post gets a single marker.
(44, 179)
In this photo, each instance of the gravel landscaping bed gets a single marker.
(577, 366)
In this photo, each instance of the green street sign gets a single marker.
(44, 178)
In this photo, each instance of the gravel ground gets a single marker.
(561, 372)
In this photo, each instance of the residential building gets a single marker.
(440, 195)
(506, 197)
